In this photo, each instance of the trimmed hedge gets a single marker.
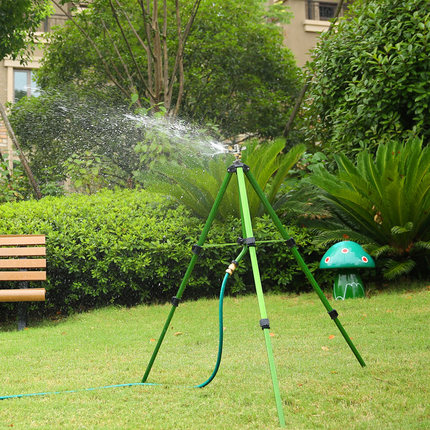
(128, 247)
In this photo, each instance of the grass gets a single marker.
(322, 385)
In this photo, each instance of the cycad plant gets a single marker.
(197, 187)
(382, 202)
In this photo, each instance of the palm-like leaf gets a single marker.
(197, 187)
(386, 199)
(394, 268)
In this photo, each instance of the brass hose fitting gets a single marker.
(232, 267)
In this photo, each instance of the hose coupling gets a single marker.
(232, 267)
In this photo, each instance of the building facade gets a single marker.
(310, 19)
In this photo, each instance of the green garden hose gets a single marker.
(229, 271)
(221, 335)
(48, 393)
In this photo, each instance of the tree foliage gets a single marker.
(19, 19)
(238, 73)
(231, 70)
(58, 130)
(372, 77)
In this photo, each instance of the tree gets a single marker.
(129, 45)
(19, 19)
(239, 74)
(372, 77)
(229, 67)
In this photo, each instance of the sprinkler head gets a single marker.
(236, 150)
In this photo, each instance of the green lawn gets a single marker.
(322, 384)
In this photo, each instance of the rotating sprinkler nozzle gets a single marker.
(236, 150)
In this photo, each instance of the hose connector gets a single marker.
(232, 267)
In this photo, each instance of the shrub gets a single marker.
(383, 202)
(198, 187)
(372, 77)
(128, 247)
(14, 185)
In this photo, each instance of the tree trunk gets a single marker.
(24, 162)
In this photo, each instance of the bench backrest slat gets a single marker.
(22, 263)
(30, 248)
(16, 239)
(24, 251)
(23, 276)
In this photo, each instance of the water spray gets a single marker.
(185, 135)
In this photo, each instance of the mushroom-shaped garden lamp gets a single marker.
(346, 257)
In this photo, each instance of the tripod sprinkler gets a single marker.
(242, 172)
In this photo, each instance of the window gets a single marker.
(327, 11)
(24, 84)
(321, 11)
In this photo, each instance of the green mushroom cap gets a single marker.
(346, 255)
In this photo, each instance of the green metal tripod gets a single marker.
(242, 171)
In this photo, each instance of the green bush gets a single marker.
(128, 247)
(372, 77)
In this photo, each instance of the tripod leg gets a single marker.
(176, 299)
(332, 312)
(264, 322)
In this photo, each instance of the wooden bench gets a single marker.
(20, 261)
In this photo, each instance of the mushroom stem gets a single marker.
(348, 284)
